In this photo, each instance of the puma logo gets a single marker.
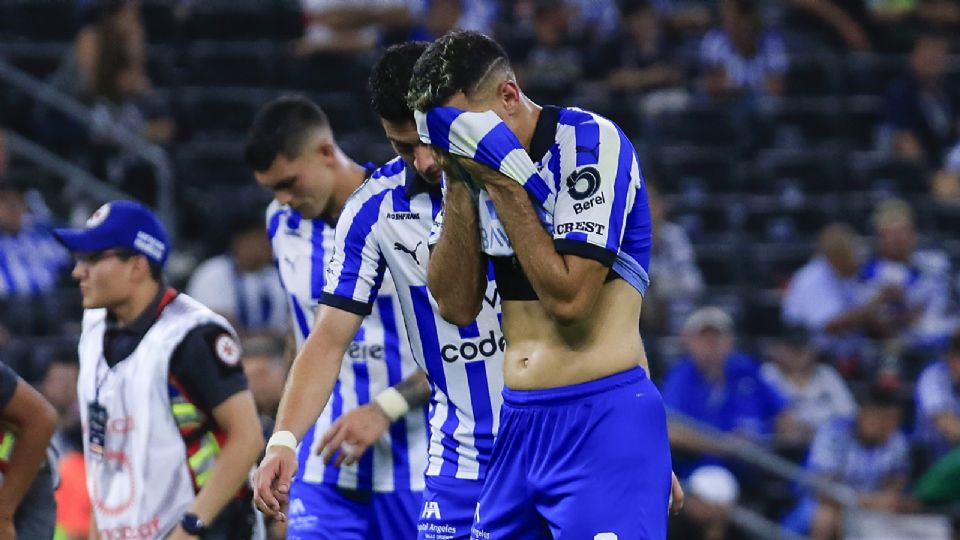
(412, 252)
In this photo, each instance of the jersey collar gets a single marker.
(545, 132)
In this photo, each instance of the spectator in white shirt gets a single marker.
(815, 391)
(822, 295)
(243, 284)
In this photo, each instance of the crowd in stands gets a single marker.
(802, 160)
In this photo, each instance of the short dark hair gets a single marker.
(457, 62)
(879, 396)
(954, 345)
(281, 127)
(389, 81)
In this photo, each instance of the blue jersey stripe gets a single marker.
(354, 243)
(331, 474)
(398, 429)
(362, 389)
(400, 204)
(303, 453)
(438, 125)
(7, 275)
(621, 189)
(469, 331)
(273, 224)
(436, 203)
(317, 260)
(300, 316)
(31, 279)
(482, 412)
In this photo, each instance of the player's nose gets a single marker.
(424, 161)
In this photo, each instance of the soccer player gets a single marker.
(373, 493)
(583, 442)
(27, 421)
(385, 225)
(170, 430)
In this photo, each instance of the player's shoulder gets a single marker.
(580, 129)
(387, 177)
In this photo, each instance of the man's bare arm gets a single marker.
(456, 274)
(35, 420)
(567, 285)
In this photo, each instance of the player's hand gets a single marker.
(271, 482)
(676, 495)
(352, 434)
(482, 175)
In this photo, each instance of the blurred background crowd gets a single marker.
(802, 159)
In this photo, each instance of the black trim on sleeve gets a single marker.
(586, 250)
(207, 379)
(8, 385)
(346, 304)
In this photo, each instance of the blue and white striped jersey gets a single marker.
(30, 261)
(379, 357)
(586, 179)
(836, 453)
(935, 393)
(385, 224)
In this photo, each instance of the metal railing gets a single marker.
(78, 180)
(132, 142)
(760, 457)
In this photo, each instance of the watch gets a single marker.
(192, 524)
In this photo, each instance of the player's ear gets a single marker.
(508, 93)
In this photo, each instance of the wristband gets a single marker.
(283, 438)
(392, 403)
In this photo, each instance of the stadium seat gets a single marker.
(886, 176)
(814, 76)
(722, 265)
(39, 20)
(816, 172)
(699, 126)
(218, 113)
(212, 164)
(871, 74)
(677, 169)
(802, 122)
(39, 60)
(771, 222)
(242, 63)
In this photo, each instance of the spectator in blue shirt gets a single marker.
(31, 260)
(868, 453)
(938, 402)
(720, 387)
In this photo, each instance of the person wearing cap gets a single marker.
(170, 430)
(27, 421)
(815, 390)
(715, 385)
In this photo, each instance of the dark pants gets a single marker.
(36, 517)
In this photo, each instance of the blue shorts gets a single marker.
(321, 512)
(589, 461)
(448, 508)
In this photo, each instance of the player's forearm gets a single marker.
(233, 465)
(415, 389)
(565, 294)
(36, 421)
(455, 273)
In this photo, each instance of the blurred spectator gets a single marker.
(711, 493)
(349, 26)
(822, 295)
(675, 280)
(242, 285)
(945, 184)
(114, 24)
(815, 391)
(720, 387)
(742, 57)
(31, 260)
(939, 485)
(685, 16)
(845, 24)
(908, 287)
(593, 21)
(638, 59)
(441, 16)
(265, 367)
(922, 109)
(867, 453)
(59, 387)
(549, 62)
(73, 500)
(4, 154)
(938, 402)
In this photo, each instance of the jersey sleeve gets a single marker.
(597, 189)
(8, 385)
(207, 366)
(356, 267)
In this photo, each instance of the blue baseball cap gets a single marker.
(120, 224)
